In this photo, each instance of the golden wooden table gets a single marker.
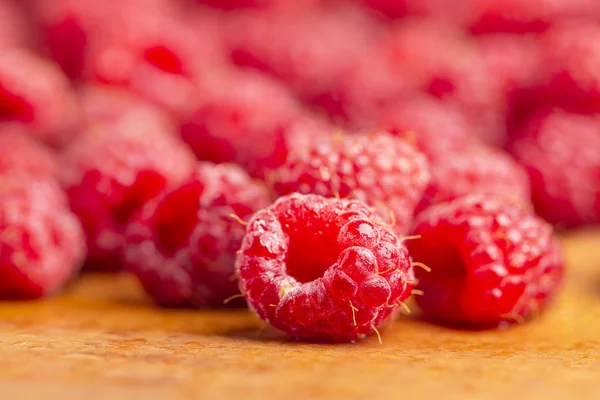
(103, 340)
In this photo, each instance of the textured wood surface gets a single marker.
(103, 340)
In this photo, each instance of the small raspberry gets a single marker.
(436, 128)
(182, 247)
(478, 170)
(444, 62)
(111, 171)
(41, 242)
(159, 55)
(250, 120)
(567, 77)
(19, 152)
(379, 169)
(561, 153)
(35, 93)
(491, 262)
(323, 269)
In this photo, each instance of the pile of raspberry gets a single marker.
(319, 162)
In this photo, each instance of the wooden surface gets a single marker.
(103, 340)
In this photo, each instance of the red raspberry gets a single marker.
(568, 77)
(479, 170)
(308, 49)
(561, 153)
(441, 60)
(182, 247)
(41, 242)
(113, 170)
(323, 269)
(19, 152)
(377, 168)
(436, 128)
(158, 55)
(251, 120)
(402, 8)
(491, 262)
(34, 92)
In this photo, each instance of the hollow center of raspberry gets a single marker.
(311, 253)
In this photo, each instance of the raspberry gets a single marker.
(251, 120)
(41, 242)
(376, 168)
(19, 152)
(182, 247)
(479, 170)
(561, 153)
(491, 262)
(35, 93)
(308, 51)
(112, 171)
(568, 78)
(436, 128)
(158, 55)
(323, 269)
(444, 62)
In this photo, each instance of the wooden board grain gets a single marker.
(103, 340)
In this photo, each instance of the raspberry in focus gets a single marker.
(491, 262)
(323, 269)
(377, 168)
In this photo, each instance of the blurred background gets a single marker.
(110, 103)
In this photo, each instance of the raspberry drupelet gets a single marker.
(182, 247)
(377, 168)
(491, 262)
(41, 242)
(323, 268)
(111, 171)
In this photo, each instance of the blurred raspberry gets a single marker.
(354, 278)
(41, 242)
(182, 247)
(477, 170)
(112, 171)
(490, 260)
(20, 153)
(441, 60)
(158, 54)
(561, 153)
(377, 168)
(436, 128)
(568, 77)
(308, 50)
(249, 119)
(35, 93)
